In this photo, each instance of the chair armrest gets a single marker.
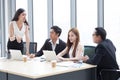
(118, 70)
(110, 74)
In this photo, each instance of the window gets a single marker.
(40, 22)
(61, 16)
(0, 40)
(112, 23)
(86, 20)
(22, 4)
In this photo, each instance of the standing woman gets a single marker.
(17, 29)
(74, 49)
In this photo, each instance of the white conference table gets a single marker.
(36, 70)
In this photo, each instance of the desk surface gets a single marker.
(36, 69)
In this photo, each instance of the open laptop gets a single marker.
(16, 54)
(49, 55)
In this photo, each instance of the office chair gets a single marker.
(110, 74)
(89, 51)
(32, 47)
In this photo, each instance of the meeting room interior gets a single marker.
(59, 40)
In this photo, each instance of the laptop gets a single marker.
(49, 55)
(16, 54)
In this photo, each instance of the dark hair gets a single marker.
(17, 14)
(57, 30)
(69, 44)
(101, 32)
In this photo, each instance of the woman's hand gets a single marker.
(18, 38)
(27, 53)
(63, 59)
(60, 58)
(12, 38)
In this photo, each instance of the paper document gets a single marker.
(69, 64)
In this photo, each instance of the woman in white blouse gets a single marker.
(74, 49)
(17, 29)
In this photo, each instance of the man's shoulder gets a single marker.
(47, 40)
(106, 42)
(61, 41)
(101, 45)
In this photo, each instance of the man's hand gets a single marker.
(32, 55)
(85, 58)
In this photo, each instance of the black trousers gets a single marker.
(15, 45)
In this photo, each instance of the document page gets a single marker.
(69, 64)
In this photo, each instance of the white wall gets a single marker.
(86, 20)
(40, 22)
(61, 16)
(112, 23)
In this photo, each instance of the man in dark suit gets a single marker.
(53, 43)
(104, 56)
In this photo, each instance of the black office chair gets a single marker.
(89, 50)
(110, 74)
(32, 47)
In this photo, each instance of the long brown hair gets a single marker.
(69, 44)
(17, 14)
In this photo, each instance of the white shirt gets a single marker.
(71, 51)
(54, 45)
(17, 31)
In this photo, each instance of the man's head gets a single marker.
(55, 32)
(99, 35)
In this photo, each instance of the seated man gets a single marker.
(54, 43)
(104, 56)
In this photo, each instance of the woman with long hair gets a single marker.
(17, 29)
(74, 49)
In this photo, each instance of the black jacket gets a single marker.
(104, 56)
(48, 46)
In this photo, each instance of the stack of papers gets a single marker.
(69, 64)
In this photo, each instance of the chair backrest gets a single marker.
(89, 50)
(110, 74)
(32, 47)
